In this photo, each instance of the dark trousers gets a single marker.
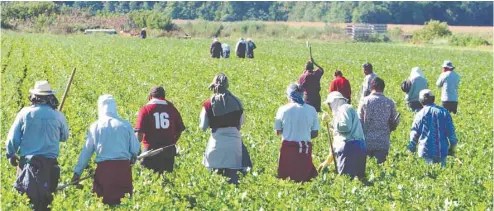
(231, 174)
(450, 106)
(352, 160)
(161, 162)
(380, 155)
(38, 177)
(415, 106)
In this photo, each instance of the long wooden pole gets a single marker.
(330, 137)
(67, 89)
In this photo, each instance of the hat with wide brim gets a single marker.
(448, 64)
(42, 88)
(333, 96)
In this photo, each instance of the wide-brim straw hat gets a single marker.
(42, 88)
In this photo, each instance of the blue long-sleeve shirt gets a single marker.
(37, 130)
(112, 139)
(433, 131)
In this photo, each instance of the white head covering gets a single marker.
(415, 73)
(335, 100)
(107, 106)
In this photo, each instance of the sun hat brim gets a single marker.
(43, 93)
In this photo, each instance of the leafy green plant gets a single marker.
(112, 65)
(432, 29)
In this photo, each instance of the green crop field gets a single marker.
(128, 67)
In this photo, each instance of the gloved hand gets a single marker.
(13, 160)
(452, 151)
(76, 177)
(326, 117)
(325, 164)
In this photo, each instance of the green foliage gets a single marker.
(467, 40)
(152, 19)
(375, 37)
(112, 65)
(394, 12)
(432, 30)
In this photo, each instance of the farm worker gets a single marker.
(342, 85)
(216, 50)
(250, 46)
(349, 144)
(369, 75)
(378, 117)
(36, 135)
(415, 83)
(433, 131)
(296, 122)
(310, 80)
(159, 124)
(226, 50)
(116, 147)
(224, 114)
(143, 33)
(448, 81)
(240, 48)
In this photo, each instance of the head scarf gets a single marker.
(223, 102)
(107, 106)
(415, 73)
(50, 100)
(294, 92)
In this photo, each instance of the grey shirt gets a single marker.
(448, 82)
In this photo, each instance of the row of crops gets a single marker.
(127, 68)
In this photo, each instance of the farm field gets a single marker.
(128, 67)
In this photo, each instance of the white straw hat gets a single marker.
(42, 88)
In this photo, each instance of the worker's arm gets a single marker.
(278, 122)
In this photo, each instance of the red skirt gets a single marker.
(112, 180)
(295, 161)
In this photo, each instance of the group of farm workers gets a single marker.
(243, 48)
(39, 128)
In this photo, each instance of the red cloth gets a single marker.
(311, 81)
(295, 162)
(342, 85)
(112, 180)
(163, 132)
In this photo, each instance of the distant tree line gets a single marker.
(454, 13)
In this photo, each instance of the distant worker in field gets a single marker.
(143, 33)
(159, 124)
(433, 131)
(250, 46)
(379, 118)
(415, 83)
(349, 144)
(297, 123)
(449, 81)
(224, 114)
(116, 148)
(226, 50)
(369, 76)
(216, 50)
(310, 80)
(241, 48)
(36, 135)
(342, 85)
